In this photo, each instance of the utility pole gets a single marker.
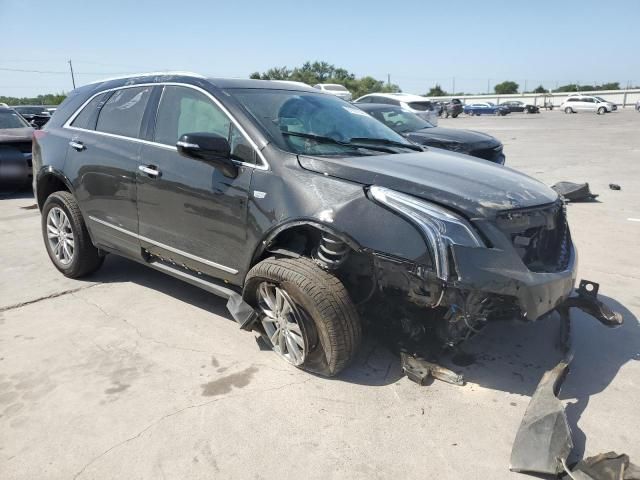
(73, 79)
(389, 80)
(525, 87)
(453, 86)
(488, 85)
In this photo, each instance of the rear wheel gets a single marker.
(306, 314)
(454, 115)
(66, 237)
(568, 110)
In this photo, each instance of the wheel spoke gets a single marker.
(52, 232)
(293, 349)
(279, 302)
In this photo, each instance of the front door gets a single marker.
(188, 211)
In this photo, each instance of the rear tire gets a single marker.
(66, 237)
(329, 324)
(568, 110)
(454, 115)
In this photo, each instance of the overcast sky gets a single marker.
(418, 43)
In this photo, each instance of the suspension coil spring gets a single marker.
(331, 252)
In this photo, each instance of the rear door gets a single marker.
(189, 212)
(104, 153)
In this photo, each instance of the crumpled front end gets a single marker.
(526, 269)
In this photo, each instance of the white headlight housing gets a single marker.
(442, 227)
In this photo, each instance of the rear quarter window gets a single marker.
(123, 112)
(87, 117)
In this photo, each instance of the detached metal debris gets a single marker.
(543, 442)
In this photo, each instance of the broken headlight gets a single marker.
(442, 227)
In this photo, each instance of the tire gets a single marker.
(602, 111)
(77, 255)
(454, 115)
(568, 110)
(329, 324)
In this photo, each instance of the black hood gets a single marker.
(477, 188)
(468, 139)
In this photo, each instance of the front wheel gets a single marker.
(66, 237)
(455, 115)
(602, 111)
(305, 313)
(568, 110)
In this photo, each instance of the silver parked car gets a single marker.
(334, 89)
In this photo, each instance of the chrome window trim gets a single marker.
(67, 124)
(219, 266)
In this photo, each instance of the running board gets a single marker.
(177, 272)
(240, 310)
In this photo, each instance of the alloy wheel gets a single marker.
(60, 236)
(282, 322)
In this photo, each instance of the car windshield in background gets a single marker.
(31, 110)
(400, 121)
(9, 119)
(317, 124)
(422, 106)
(335, 88)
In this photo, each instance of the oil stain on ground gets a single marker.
(225, 384)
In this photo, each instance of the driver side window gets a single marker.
(184, 110)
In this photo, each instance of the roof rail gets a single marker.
(148, 74)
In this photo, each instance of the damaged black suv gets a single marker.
(304, 211)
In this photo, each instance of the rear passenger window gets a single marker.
(86, 118)
(122, 114)
(184, 110)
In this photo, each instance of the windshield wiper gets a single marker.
(350, 143)
(384, 141)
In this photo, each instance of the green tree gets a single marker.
(436, 91)
(540, 89)
(505, 88)
(47, 99)
(323, 72)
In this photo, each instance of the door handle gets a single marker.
(79, 146)
(149, 170)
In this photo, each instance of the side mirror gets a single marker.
(208, 147)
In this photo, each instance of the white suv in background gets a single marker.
(585, 103)
(334, 89)
(420, 106)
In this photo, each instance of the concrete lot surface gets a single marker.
(132, 374)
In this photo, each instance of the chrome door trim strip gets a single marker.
(219, 266)
(67, 124)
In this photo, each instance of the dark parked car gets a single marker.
(15, 149)
(485, 108)
(517, 106)
(451, 108)
(37, 116)
(300, 208)
(422, 132)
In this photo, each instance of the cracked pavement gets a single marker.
(132, 374)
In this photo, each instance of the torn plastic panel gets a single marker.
(543, 441)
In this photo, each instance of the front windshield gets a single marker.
(314, 123)
(400, 121)
(9, 119)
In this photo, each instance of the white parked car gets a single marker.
(584, 103)
(334, 89)
(420, 106)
